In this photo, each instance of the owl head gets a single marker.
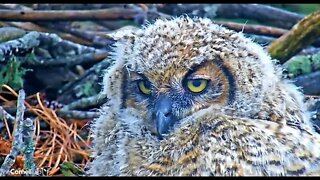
(172, 69)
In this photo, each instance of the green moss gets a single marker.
(89, 89)
(10, 33)
(298, 65)
(31, 58)
(12, 73)
(71, 169)
(316, 61)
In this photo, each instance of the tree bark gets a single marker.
(261, 13)
(69, 15)
(300, 36)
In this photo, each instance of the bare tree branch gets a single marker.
(99, 41)
(34, 27)
(17, 142)
(28, 146)
(5, 114)
(83, 103)
(19, 46)
(69, 61)
(254, 29)
(309, 82)
(300, 36)
(69, 15)
(258, 12)
(74, 114)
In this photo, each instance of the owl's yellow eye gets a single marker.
(197, 85)
(144, 87)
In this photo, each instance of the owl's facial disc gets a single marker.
(164, 98)
(164, 118)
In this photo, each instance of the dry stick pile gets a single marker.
(69, 59)
(62, 142)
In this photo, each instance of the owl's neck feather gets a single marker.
(189, 139)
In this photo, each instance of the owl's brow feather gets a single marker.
(226, 71)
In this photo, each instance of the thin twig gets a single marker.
(61, 135)
(83, 103)
(28, 144)
(262, 40)
(261, 13)
(68, 32)
(223, 11)
(5, 115)
(19, 46)
(17, 142)
(74, 114)
(35, 27)
(254, 29)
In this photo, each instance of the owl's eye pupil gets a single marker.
(144, 87)
(196, 82)
(147, 85)
(197, 85)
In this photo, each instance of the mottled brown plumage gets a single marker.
(247, 120)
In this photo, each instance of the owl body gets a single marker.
(189, 97)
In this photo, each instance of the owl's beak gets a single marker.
(163, 115)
